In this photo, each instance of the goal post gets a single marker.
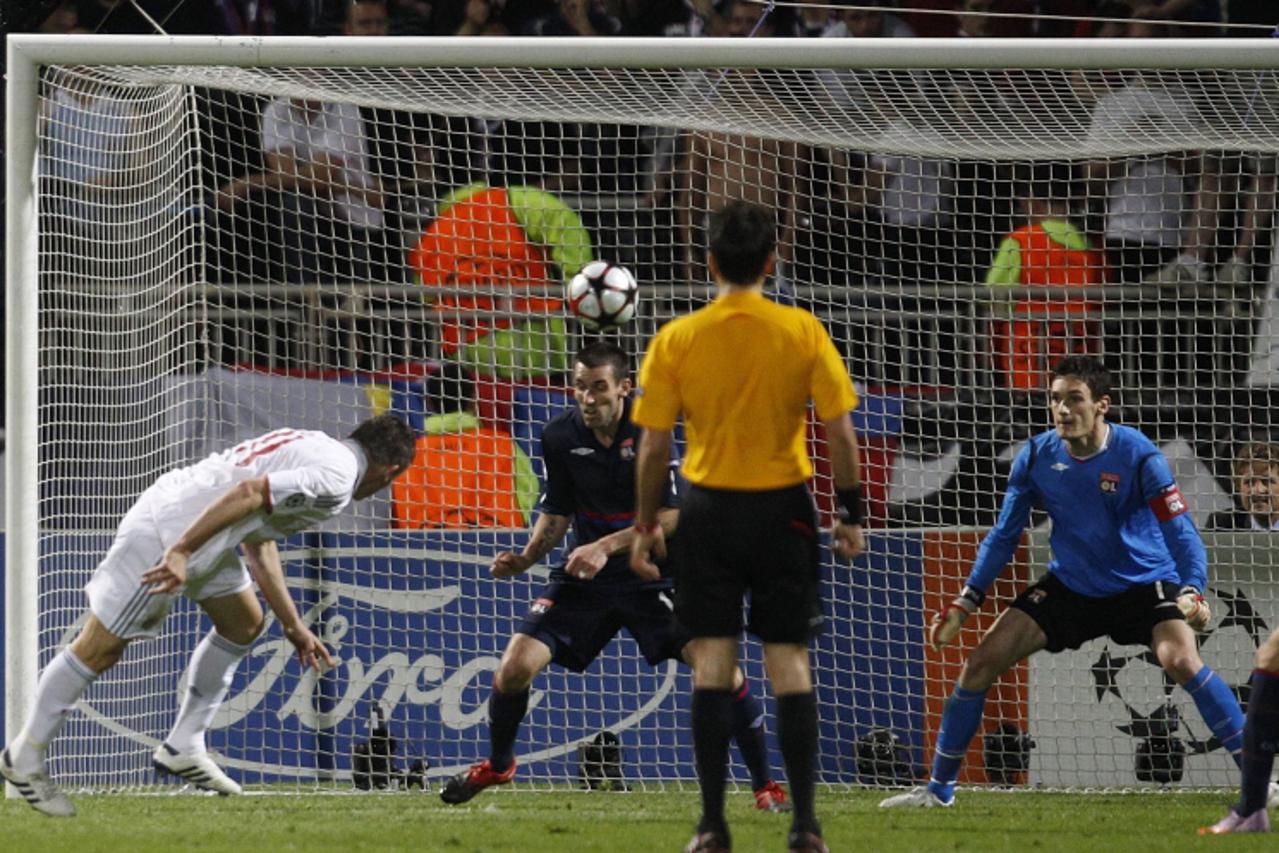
(21, 474)
(209, 238)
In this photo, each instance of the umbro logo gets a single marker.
(582, 451)
(1060, 466)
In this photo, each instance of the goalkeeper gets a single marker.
(1128, 563)
(589, 452)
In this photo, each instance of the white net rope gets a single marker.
(1008, 113)
(226, 251)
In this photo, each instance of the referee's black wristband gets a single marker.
(850, 501)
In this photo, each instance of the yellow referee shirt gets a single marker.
(742, 371)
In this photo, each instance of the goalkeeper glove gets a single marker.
(1193, 606)
(947, 621)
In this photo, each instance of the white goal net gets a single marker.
(210, 240)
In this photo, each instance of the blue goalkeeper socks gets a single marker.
(959, 722)
(1219, 708)
(1260, 736)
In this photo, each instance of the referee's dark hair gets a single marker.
(600, 353)
(1090, 370)
(742, 237)
(386, 440)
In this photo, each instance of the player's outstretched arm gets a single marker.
(548, 531)
(264, 564)
(235, 504)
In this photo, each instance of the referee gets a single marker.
(742, 371)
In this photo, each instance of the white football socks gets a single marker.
(59, 687)
(208, 678)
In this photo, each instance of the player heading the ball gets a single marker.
(185, 536)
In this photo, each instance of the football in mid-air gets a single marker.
(602, 295)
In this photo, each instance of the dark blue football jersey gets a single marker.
(1118, 518)
(594, 485)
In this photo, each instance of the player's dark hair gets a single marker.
(742, 237)
(600, 353)
(1087, 369)
(386, 440)
(450, 389)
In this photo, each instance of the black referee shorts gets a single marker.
(763, 544)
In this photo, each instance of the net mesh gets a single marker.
(225, 251)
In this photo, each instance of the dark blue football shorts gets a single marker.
(577, 619)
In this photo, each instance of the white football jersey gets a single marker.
(311, 477)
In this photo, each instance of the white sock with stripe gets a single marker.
(208, 678)
(59, 687)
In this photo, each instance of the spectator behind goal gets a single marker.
(1256, 481)
(464, 474)
(1047, 251)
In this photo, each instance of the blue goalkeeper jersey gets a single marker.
(1118, 518)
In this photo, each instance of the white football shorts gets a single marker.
(123, 605)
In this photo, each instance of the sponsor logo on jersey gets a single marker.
(1109, 482)
(626, 449)
(1060, 466)
(541, 605)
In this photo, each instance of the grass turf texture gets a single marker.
(535, 821)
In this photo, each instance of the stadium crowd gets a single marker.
(306, 192)
(974, 18)
(879, 219)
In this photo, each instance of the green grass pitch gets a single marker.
(525, 821)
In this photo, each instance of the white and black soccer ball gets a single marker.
(602, 295)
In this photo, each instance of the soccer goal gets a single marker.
(211, 238)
